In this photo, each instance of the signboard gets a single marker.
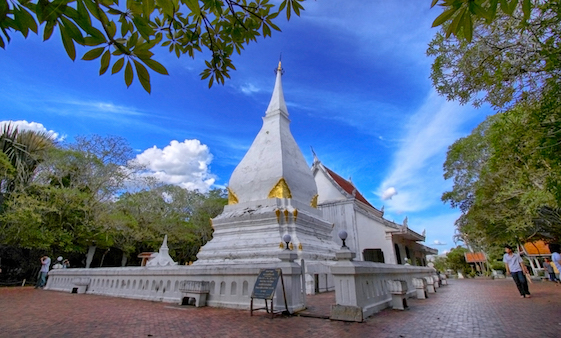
(266, 284)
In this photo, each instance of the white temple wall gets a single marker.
(326, 191)
(364, 232)
(373, 236)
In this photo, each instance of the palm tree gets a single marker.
(23, 150)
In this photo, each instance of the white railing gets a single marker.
(361, 288)
(230, 285)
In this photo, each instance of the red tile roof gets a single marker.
(536, 248)
(347, 186)
(475, 257)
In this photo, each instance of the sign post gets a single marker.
(265, 287)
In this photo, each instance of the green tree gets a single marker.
(506, 176)
(63, 206)
(123, 34)
(457, 260)
(462, 17)
(140, 220)
(510, 60)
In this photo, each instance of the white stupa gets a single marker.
(271, 193)
(162, 257)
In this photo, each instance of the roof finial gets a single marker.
(315, 156)
(279, 68)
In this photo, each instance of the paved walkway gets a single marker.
(464, 308)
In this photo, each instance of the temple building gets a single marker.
(273, 193)
(371, 236)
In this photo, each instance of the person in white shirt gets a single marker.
(42, 278)
(515, 266)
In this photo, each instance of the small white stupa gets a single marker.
(162, 257)
(271, 193)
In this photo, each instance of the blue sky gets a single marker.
(356, 84)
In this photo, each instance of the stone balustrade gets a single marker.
(430, 284)
(361, 288)
(229, 285)
(421, 287)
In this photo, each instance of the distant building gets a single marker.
(371, 236)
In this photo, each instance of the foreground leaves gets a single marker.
(129, 30)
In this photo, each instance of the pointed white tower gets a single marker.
(274, 166)
(271, 193)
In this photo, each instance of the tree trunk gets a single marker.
(90, 256)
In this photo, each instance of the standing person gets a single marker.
(42, 278)
(548, 266)
(555, 256)
(65, 264)
(515, 266)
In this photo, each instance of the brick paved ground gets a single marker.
(465, 308)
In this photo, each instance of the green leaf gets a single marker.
(92, 7)
(117, 66)
(111, 29)
(143, 27)
(124, 27)
(73, 31)
(67, 42)
(194, 6)
(527, 9)
(468, 27)
(128, 74)
(443, 17)
(143, 75)
(266, 30)
(105, 61)
(93, 54)
(166, 6)
(156, 66)
(454, 26)
(25, 19)
(433, 3)
(133, 39)
(48, 30)
(2, 45)
(83, 12)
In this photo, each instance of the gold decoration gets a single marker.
(232, 198)
(280, 190)
(281, 245)
(291, 246)
(286, 215)
(314, 201)
(277, 212)
(295, 214)
(300, 246)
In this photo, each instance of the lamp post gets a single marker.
(343, 235)
(286, 238)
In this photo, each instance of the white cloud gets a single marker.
(185, 164)
(389, 193)
(249, 89)
(416, 170)
(34, 126)
(437, 242)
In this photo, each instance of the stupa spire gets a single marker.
(277, 104)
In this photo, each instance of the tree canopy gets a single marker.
(87, 193)
(123, 34)
(509, 60)
(506, 173)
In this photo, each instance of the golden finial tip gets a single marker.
(279, 68)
